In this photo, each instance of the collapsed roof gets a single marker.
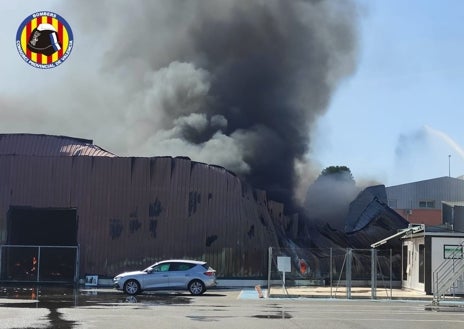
(370, 219)
(131, 198)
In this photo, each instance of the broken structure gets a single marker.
(71, 208)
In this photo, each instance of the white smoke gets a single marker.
(220, 148)
(427, 153)
(167, 94)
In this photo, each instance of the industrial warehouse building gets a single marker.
(69, 208)
(423, 202)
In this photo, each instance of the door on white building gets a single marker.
(414, 264)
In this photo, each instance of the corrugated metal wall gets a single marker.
(407, 196)
(135, 211)
(48, 145)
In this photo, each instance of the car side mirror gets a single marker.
(150, 271)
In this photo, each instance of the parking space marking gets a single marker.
(250, 294)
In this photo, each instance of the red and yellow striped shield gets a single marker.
(63, 36)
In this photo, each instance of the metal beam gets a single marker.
(411, 229)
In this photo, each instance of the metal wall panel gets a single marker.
(407, 196)
(48, 145)
(135, 211)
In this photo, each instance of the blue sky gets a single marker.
(395, 120)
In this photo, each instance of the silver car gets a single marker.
(194, 276)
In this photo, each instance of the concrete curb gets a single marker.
(344, 297)
(452, 307)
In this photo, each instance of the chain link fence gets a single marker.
(339, 270)
(39, 264)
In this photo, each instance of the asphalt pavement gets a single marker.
(48, 307)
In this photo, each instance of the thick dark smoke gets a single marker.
(273, 65)
(237, 83)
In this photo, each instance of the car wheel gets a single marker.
(131, 287)
(196, 287)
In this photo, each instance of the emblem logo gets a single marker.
(44, 40)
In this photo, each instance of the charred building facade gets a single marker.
(76, 209)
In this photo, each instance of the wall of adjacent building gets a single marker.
(421, 202)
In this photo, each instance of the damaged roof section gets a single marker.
(370, 218)
(48, 145)
(369, 205)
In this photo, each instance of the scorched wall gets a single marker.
(135, 211)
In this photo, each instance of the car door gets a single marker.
(157, 277)
(180, 274)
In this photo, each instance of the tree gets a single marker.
(342, 173)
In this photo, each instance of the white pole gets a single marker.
(449, 165)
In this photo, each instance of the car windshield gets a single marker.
(149, 268)
(158, 267)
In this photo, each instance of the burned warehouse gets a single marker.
(94, 212)
(69, 208)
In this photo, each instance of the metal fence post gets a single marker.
(349, 256)
(269, 269)
(38, 264)
(76, 270)
(331, 272)
(391, 274)
(373, 273)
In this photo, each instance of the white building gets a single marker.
(433, 261)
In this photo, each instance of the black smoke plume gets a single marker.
(238, 83)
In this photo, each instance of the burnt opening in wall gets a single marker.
(41, 245)
(42, 226)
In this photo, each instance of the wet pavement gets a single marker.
(62, 297)
(49, 301)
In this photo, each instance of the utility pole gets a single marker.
(449, 165)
